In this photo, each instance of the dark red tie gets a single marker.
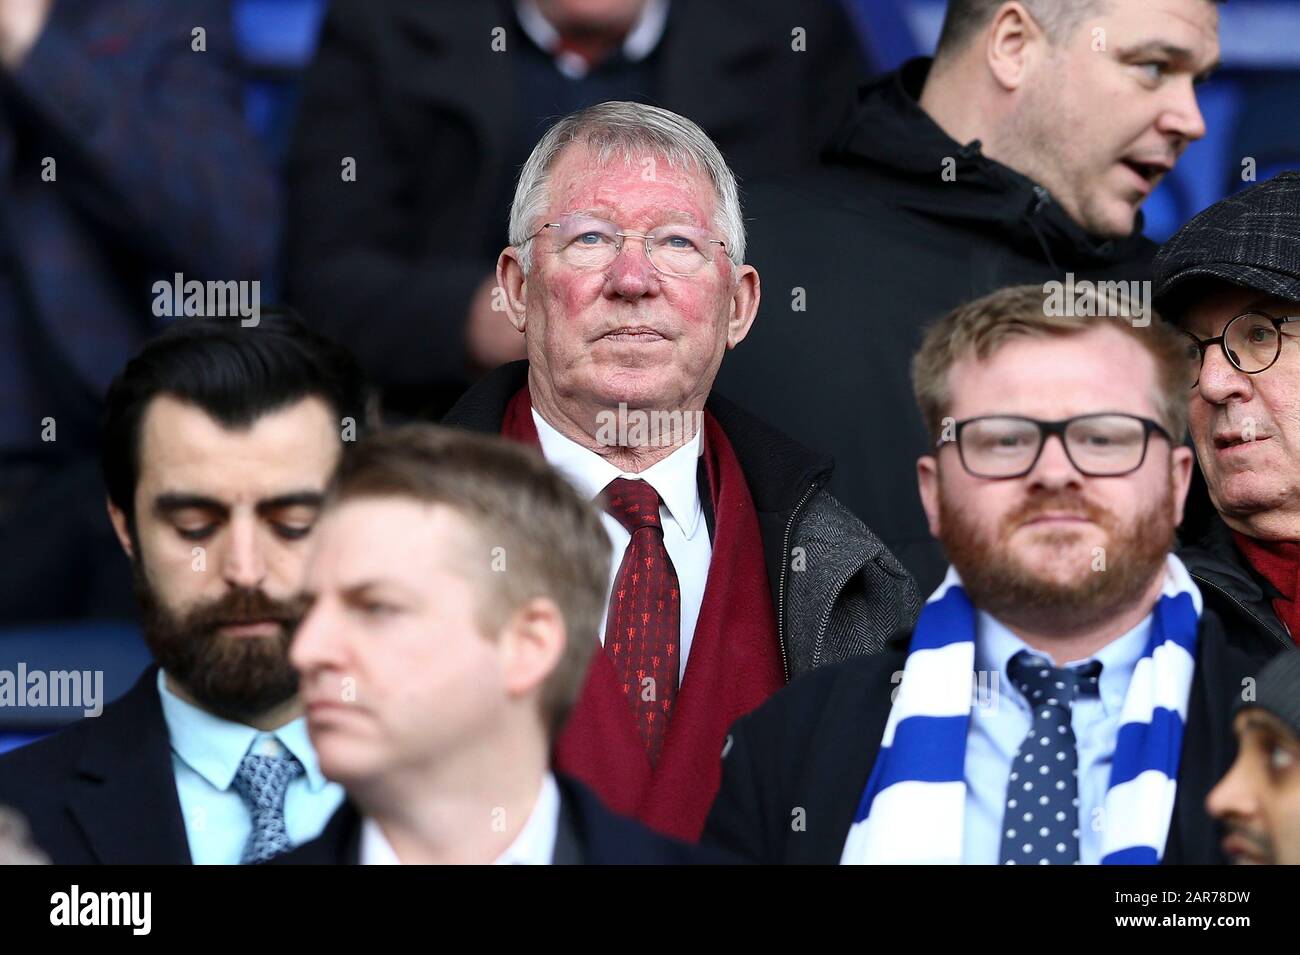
(643, 629)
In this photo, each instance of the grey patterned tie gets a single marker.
(262, 782)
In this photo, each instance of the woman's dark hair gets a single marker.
(235, 373)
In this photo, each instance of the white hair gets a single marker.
(626, 131)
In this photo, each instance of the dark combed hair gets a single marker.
(235, 374)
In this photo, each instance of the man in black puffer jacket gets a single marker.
(1021, 154)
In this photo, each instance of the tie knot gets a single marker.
(1045, 685)
(634, 504)
(262, 781)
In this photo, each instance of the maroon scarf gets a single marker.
(733, 666)
(1278, 562)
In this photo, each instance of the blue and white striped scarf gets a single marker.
(914, 805)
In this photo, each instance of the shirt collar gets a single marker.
(214, 747)
(995, 645)
(535, 844)
(639, 43)
(675, 478)
(375, 847)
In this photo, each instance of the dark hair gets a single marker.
(518, 506)
(234, 373)
(1058, 18)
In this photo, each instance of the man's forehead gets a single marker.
(1190, 24)
(644, 184)
(183, 449)
(390, 538)
(1098, 369)
(1215, 305)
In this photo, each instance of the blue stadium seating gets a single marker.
(276, 40)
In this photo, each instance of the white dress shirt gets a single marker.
(686, 534)
(535, 844)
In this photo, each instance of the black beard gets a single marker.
(235, 678)
(1000, 585)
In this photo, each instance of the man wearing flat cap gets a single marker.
(1230, 279)
(1258, 801)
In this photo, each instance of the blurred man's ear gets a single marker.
(121, 527)
(1182, 461)
(927, 479)
(513, 285)
(532, 643)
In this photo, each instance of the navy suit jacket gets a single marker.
(102, 790)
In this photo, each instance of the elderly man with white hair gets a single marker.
(734, 569)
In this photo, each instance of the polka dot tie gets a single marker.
(643, 629)
(262, 782)
(1041, 823)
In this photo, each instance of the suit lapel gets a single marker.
(341, 838)
(124, 795)
(568, 843)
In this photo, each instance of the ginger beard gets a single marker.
(998, 582)
(235, 678)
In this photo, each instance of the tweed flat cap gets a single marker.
(1251, 239)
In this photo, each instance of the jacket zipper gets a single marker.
(785, 569)
(1041, 198)
(1242, 607)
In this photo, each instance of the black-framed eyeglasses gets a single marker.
(1251, 341)
(1110, 444)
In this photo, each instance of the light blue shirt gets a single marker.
(1001, 718)
(206, 752)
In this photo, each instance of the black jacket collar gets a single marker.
(1226, 577)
